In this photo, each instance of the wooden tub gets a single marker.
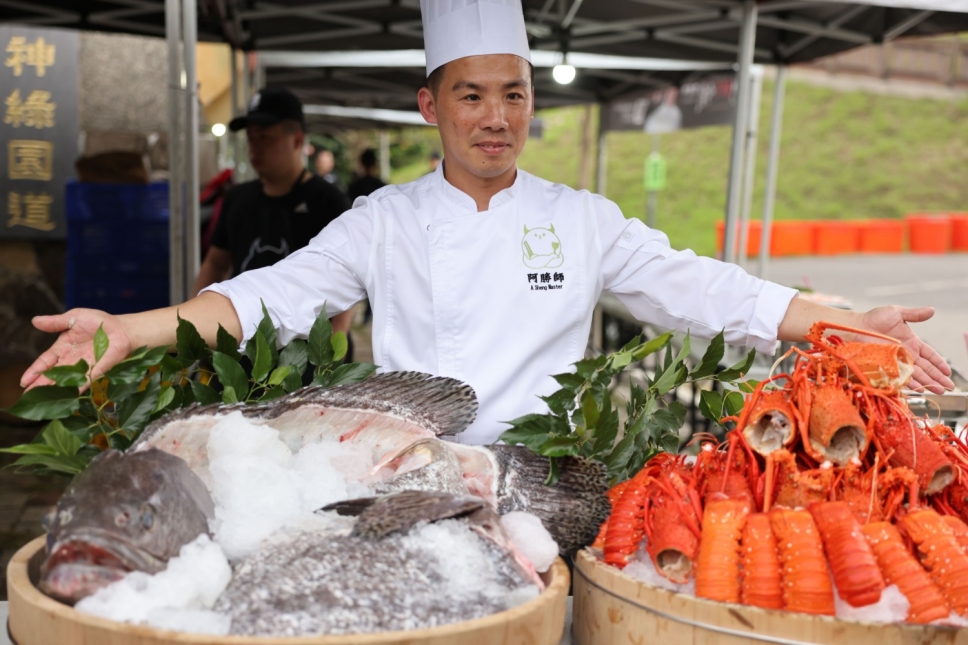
(36, 619)
(612, 608)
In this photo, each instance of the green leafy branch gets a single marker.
(582, 420)
(149, 383)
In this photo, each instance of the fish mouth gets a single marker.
(79, 565)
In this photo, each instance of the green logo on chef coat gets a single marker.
(541, 248)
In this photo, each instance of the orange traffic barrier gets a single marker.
(959, 231)
(834, 237)
(929, 233)
(792, 237)
(754, 236)
(881, 236)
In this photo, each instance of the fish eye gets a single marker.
(122, 518)
(147, 518)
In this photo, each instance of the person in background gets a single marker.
(264, 220)
(325, 164)
(434, 160)
(369, 179)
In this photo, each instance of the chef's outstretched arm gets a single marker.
(930, 370)
(125, 333)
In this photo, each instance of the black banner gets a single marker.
(38, 129)
(706, 100)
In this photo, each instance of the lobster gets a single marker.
(717, 567)
(731, 472)
(806, 577)
(761, 582)
(941, 555)
(856, 574)
(768, 421)
(901, 568)
(786, 485)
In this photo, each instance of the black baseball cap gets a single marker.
(270, 106)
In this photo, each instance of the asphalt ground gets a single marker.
(867, 281)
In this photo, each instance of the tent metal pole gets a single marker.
(385, 155)
(749, 180)
(237, 158)
(192, 218)
(176, 219)
(601, 160)
(747, 44)
(772, 164)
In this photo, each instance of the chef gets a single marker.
(479, 270)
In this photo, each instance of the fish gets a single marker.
(383, 575)
(405, 419)
(126, 512)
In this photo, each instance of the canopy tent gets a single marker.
(741, 31)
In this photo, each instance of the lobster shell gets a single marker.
(884, 365)
(806, 577)
(856, 574)
(835, 426)
(770, 425)
(911, 446)
(762, 582)
(941, 555)
(717, 567)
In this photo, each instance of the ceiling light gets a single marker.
(218, 129)
(564, 73)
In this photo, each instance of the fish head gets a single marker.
(126, 512)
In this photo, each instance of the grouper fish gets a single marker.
(385, 575)
(401, 417)
(125, 512)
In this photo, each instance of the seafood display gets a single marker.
(277, 487)
(827, 490)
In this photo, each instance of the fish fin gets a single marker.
(441, 404)
(352, 507)
(572, 510)
(399, 512)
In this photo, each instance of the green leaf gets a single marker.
(617, 461)
(227, 344)
(739, 369)
(230, 374)
(652, 346)
(272, 393)
(70, 465)
(606, 431)
(569, 381)
(734, 403)
(268, 329)
(189, 343)
(747, 386)
(100, 343)
(30, 449)
(553, 473)
(293, 381)
(711, 358)
(346, 374)
(133, 368)
(670, 378)
(120, 391)
(561, 402)
(167, 396)
(295, 354)
(263, 358)
(589, 410)
(559, 446)
(711, 405)
(669, 442)
(279, 375)
(340, 345)
(228, 395)
(69, 375)
(46, 402)
(319, 347)
(60, 439)
(621, 360)
(203, 393)
(586, 368)
(134, 411)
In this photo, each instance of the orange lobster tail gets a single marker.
(856, 575)
(771, 424)
(836, 429)
(901, 568)
(960, 530)
(624, 530)
(762, 583)
(806, 577)
(911, 446)
(717, 567)
(672, 528)
(614, 493)
(941, 555)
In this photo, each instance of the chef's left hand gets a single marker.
(930, 370)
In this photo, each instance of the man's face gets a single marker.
(325, 162)
(482, 110)
(271, 148)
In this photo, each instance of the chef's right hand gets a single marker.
(76, 341)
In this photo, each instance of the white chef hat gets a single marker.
(457, 28)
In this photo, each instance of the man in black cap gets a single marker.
(265, 220)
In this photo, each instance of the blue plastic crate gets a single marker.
(117, 246)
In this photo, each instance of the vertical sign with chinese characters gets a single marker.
(38, 129)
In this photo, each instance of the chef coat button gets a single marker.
(428, 227)
(626, 235)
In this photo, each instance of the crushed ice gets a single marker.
(262, 492)
(891, 608)
(641, 568)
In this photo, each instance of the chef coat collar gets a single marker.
(462, 200)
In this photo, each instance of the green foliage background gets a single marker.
(844, 155)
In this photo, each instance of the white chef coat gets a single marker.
(500, 299)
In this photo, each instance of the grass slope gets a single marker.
(842, 156)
